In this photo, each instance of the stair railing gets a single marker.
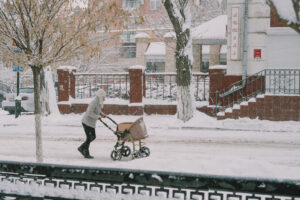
(268, 81)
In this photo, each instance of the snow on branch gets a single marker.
(288, 11)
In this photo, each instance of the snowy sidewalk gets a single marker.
(200, 121)
(203, 145)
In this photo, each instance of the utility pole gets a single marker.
(17, 100)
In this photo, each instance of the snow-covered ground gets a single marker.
(203, 145)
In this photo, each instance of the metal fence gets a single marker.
(116, 85)
(140, 182)
(160, 86)
(163, 86)
(269, 81)
(282, 81)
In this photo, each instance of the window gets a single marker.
(128, 50)
(128, 37)
(131, 3)
(155, 66)
(154, 4)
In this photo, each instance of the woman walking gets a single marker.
(92, 114)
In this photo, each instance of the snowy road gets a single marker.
(271, 152)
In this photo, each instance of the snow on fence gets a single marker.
(160, 86)
(116, 85)
(282, 81)
(163, 86)
(20, 179)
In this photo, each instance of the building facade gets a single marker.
(129, 46)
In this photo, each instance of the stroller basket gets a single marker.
(137, 130)
(129, 132)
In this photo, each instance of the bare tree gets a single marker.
(48, 32)
(291, 18)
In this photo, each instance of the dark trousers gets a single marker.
(90, 136)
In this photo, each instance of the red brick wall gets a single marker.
(72, 84)
(64, 108)
(78, 108)
(136, 84)
(271, 107)
(121, 109)
(63, 84)
(281, 108)
(160, 109)
(115, 109)
(216, 82)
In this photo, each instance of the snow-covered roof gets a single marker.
(156, 48)
(170, 35)
(211, 32)
(141, 35)
(218, 67)
(156, 51)
(67, 68)
(137, 67)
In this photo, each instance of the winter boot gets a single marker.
(82, 150)
(88, 155)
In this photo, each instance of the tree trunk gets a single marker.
(179, 18)
(37, 113)
(45, 110)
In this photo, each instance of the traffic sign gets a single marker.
(17, 69)
(17, 51)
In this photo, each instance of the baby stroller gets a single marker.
(129, 132)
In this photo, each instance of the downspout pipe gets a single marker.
(245, 45)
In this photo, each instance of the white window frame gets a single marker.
(130, 4)
(154, 4)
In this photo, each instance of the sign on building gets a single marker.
(235, 33)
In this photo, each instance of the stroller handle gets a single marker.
(113, 121)
(105, 124)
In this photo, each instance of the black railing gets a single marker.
(116, 85)
(268, 81)
(162, 86)
(141, 182)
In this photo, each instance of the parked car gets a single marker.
(26, 95)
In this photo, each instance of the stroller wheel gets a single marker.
(145, 151)
(136, 154)
(116, 155)
(126, 151)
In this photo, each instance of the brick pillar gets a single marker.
(135, 106)
(142, 41)
(63, 84)
(66, 82)
(72, 83)
(216, 82)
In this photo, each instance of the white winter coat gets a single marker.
(94, 110)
